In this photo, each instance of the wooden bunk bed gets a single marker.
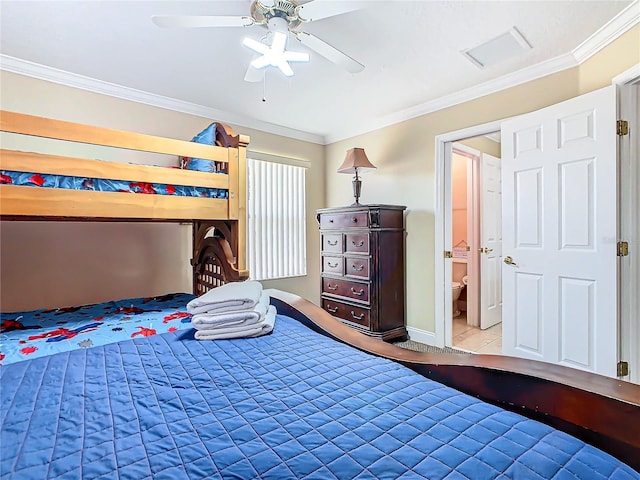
(601, 411)
(224, 218)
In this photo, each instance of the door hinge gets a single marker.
(623, 369)
(622, 127)
(623, 249)
(448, 254)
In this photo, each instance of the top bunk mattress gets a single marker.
(292, 404)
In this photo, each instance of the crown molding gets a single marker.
(524, 75)
(43, 72)
(621, 23)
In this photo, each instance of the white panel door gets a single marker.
(559, 173)
(491, 241)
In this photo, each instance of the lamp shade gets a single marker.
(355, 161)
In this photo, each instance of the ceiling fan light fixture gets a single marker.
(296, 56)
(256, 46)
(285, 68)
(275, 55)
(279, 42)
(260, 62)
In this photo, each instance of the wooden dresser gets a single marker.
(363, 268)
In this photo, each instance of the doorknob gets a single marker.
(485, 250)
(509, 261)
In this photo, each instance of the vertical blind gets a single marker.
(276, 229)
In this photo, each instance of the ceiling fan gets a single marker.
(280, 17)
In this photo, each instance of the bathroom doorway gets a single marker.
(477, 245)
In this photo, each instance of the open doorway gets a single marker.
(520, 314)
(477, 245)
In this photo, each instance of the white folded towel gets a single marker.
(262, 328)
(227, 298)
(222, 333)
(237, 318)
(269, 320)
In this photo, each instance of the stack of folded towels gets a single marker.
(233, 310)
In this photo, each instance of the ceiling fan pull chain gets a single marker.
(264, 87)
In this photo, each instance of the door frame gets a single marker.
(629, 173)
(443, 224)
(473, 228)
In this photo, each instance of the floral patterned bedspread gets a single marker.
(38, 333)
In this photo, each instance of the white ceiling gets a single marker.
(411, 51)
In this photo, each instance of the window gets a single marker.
(276, 220)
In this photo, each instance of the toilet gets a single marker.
(456, 289)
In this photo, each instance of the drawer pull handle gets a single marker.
(332, 310)
(332, 265)
(331, 220)
(329, 287)
(359, 244)
(360, 293)
(358, 268)
(357, 317)
(333, 244)
(354, 219)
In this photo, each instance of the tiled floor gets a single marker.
(473, 339)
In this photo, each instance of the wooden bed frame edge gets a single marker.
(602, 411)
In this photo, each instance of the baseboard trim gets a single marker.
(422, 336)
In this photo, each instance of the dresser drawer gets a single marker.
(361, 316)
(345, 288)
(332, 242)
(344, 220)
(333, 265)
(357, 266)
(357, 243)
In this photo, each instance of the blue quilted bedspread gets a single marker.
(292, 404)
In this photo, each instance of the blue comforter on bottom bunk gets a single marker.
(292, 404)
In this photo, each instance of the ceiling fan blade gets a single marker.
(319, 9)
(330, 53)
(185, 21)
(254, 74)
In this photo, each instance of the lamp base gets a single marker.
(357, 188)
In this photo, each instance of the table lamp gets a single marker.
(356, 161)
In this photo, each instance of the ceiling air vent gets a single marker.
(500, 48)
